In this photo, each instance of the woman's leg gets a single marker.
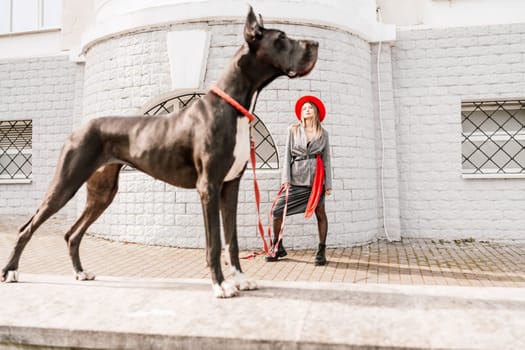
(297, 199)
(277, 223)
(281, 252)
(322, 225)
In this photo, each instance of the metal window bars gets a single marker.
(16, 149)
(493, 137)
(265, 149)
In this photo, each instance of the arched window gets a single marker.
(265, 150)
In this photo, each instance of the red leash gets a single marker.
(260, 227)
(273, 249)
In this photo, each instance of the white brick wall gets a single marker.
(45, 90)
(433, 71)
(123, 73)
(425, 75)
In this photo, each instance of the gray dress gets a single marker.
(299, 163)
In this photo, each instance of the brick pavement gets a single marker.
(412, 261)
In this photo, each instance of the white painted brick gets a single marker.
(26, 80)
(474, 77)
(124, 72)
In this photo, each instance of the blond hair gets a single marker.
(317, 122)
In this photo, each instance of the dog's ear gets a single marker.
(252, 28)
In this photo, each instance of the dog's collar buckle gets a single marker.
(232, 102)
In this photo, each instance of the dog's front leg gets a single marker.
(209, 193)
(229, 199)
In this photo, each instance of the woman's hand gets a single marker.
(286, 185)
(328, 191)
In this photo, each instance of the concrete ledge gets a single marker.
(51, 311)
(25, 338)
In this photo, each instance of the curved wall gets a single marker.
(123, 72)
(116, 16)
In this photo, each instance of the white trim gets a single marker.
(15, 181)
(34, 31)
(492, 176)
(496, 98)
(40, 14)
(114, 17)
(46, 42)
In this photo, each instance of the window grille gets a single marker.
(265, 150)
(16, 149)
(174, 103)
(493, 137)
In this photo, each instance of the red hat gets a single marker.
(312, 99)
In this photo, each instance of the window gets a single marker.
(15, 149)
(29, 15)
(493, 137)
(173, 103)
(265, 150)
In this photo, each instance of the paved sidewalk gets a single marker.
(415, 294)
(412, 261)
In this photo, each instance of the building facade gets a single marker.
(425, 118)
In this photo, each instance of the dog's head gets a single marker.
(271, 47)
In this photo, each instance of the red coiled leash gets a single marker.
(273, 248)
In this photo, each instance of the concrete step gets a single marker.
(53, 311)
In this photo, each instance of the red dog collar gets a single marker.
(232, 102)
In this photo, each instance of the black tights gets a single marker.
(322, 224)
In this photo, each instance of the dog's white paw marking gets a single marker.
(227, 257)
(85, 276)
(225, 290)
(12, 276)
(242, 282)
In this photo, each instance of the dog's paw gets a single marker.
(242, 282)
(225, 290)
(10, 277)
(84, 276)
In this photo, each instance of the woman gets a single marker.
(306, 173)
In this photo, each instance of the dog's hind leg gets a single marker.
(54, 200)
(229, 199)
(102, 187)
(77, 162)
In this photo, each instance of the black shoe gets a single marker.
(320, 258)
(281, 253)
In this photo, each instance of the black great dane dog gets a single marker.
(205, 146)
